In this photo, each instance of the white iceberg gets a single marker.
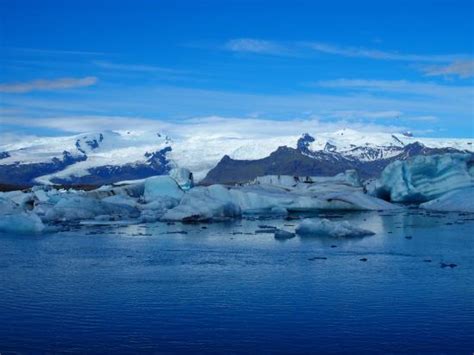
(348, 181)
(22, 222)
(203, 204)
(424, 178)
(276, 195)
(81, 207)
(459, 200)
(327, 228)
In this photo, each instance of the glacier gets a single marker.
(105, 157)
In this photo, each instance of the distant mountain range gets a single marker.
(111, 156)
(302, 161)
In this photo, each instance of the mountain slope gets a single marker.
(111, 156)
(303, 161)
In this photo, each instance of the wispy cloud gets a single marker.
(361, 52)
(361, 114)
(134, 67)
(44, 51)
(462, 68)
(256, 46)
(209, 127)
(402, 87)
(294, 48)
(46, 85)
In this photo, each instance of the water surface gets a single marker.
(221, 288)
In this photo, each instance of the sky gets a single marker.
(77, 66)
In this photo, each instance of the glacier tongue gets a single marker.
(424, 178)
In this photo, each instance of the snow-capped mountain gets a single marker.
(110, 156)
(93, 158)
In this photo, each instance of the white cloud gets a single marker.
(133, 67)
(360, 114)
(401, 86)
(43, 51)
(361, 52)
(208, 127)
(428, 118)
(256, 46)
(261, 46)
(461, 68)
(44, 85)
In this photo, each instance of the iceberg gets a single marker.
(173, 198)
(327, 228)
(22, 222)
(348, 181)
(183, 177)
(461, 200)
(162, 187)
(276, 195)
(282, 234)
(75, 207)
(424, 178)
(204, 204)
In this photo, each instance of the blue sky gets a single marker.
(68, 66)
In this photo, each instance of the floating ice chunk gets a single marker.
(424, 178)
(158, 187)
(348, 181)
(459, 200)
(7, 206)
(282, 234)
(133, 189)
(357, 201)
(203, 204)
(25, 200)
(78, 207)
(327, 228)
(121, 200)
(218, 202)
(23, 222)
(183, 177)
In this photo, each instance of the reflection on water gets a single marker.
(221, 287)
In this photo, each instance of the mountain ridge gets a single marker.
(111, 156)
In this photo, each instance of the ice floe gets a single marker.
(459, 200)
(174, 198)
(327, 228)
(22, 222)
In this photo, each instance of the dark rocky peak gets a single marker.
(415, 148)
(88, 142)
(330, 147)
(397, 139)
(158, 158)
(303, 143)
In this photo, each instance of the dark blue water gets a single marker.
(139, 289)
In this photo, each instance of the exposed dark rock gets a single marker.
(304, 162)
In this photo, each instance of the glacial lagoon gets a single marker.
(233, 287)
